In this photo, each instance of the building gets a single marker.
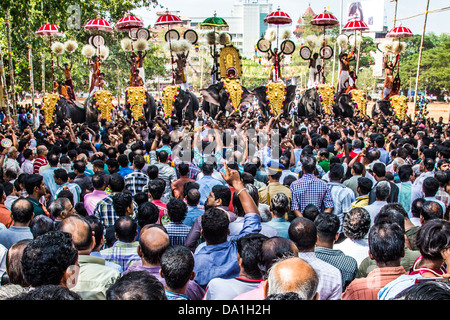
(246, 24)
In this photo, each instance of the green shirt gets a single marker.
(94, 278)
(37, 206)
(367, 265)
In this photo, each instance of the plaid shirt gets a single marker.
(343, 198)
(122, 253)
(177, 232)
(104, 211)
(136, 181)
(193, 170)
(309, 189)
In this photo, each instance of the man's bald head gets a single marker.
(153, 242)
(292, 275)
(80, 230)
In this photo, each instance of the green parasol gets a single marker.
(214, 23)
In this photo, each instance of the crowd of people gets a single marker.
(238, 207)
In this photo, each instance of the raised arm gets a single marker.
(233, 179)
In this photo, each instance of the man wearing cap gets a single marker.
(274, 171)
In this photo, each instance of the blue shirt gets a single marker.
(124, 171)
(191, 215)
(206, 184)
(220, 260)
(49, 180)
(281, 225)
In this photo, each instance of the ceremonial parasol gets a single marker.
(214, 23)
(399, 32)
(278, 18)
(96, 26)
(356, 25)
(169, 19)
(50, 30)
(324, 19)
(129, 23)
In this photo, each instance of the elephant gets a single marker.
(150, 107)
(92, 112)
(309, 104)
(344, 106)
(215, 99)
(383, 107)
(186, 104)
(261, 95)
(73, 110)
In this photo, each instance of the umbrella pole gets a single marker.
(53, 68)
(323, 58)
(171, 57)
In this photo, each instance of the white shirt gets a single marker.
(27, 166)
(358, 249)
(330, 280)
(374, 209)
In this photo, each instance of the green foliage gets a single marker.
(27, 16)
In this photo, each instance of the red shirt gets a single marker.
(38, 163)
(162, 208)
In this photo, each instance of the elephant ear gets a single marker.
(260, 94)
(290, 94)
(247, 96)
(211, 94)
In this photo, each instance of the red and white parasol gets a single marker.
(49, 30)
(400, 32)
(355, 25)
(128, 22)
(324, 19)
(168, 19)
(278, 18)
(98, 25)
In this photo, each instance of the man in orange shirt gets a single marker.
(5, 214)
(177, 185)
(386, 247)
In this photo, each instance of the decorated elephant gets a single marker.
(66, 109)
(149, 107)
(186, 104)
(344, 106)
(382, 107)
(309, 104)
(262, 93)
(223, 97)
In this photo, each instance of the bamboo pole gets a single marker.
(11, 66)
(420, 53)
(4, 94)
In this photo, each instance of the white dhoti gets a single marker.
(344, 80)
(311, 80)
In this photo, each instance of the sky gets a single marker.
(437, 22)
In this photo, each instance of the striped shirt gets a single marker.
(346, 264)
(343, 198)
(38, 163)
(177, 232)
(330, 280)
